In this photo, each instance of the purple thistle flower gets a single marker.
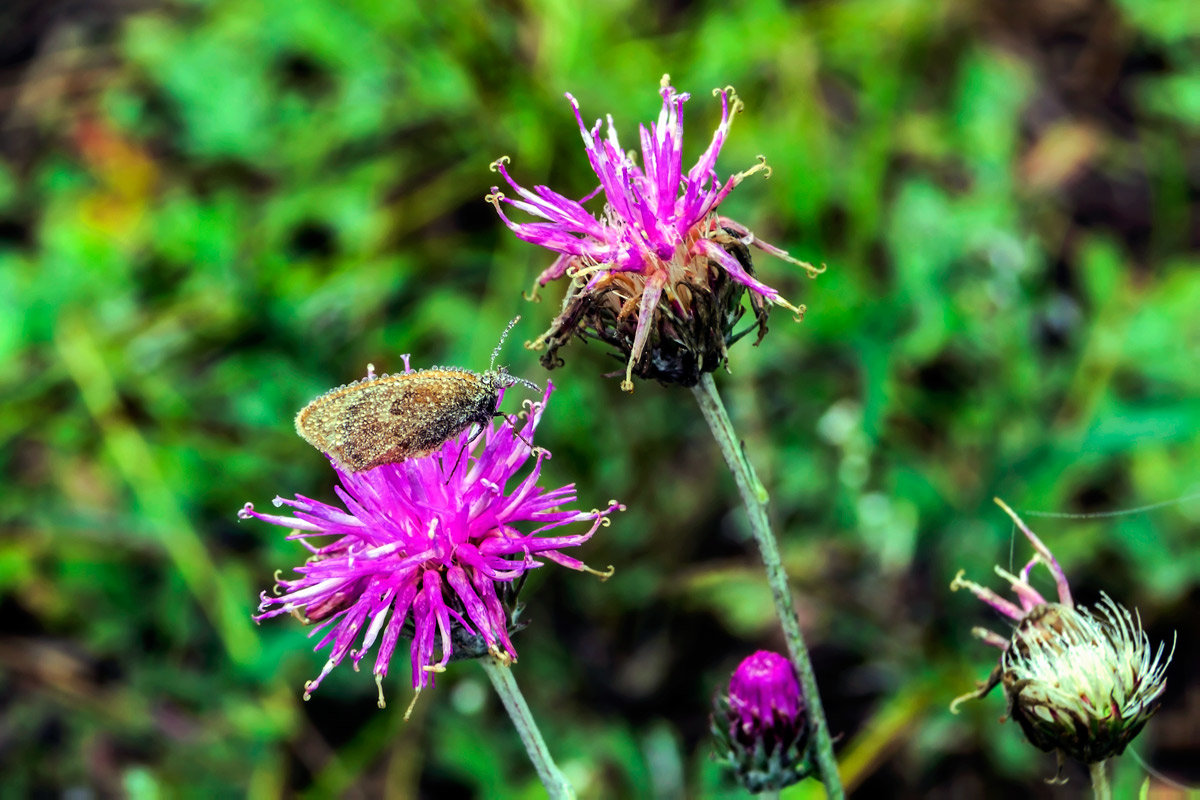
(659, 248)
(418, 555)
(760, 724)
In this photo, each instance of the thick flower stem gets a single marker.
(514, 702)
(754, 496)
(1101, 789)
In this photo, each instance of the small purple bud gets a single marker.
(765, 695)
(760, 724)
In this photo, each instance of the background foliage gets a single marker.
(212, 210)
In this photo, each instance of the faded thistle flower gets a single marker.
(432, 549)
(760, 725)
(659, 275)
(1079, 681)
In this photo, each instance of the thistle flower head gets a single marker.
(760, 724)
(1087, 684)
(659, 274)
(1082, 682)
(430, 549)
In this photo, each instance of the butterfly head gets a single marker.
(499, 377)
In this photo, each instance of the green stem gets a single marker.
(1100, 786)
(754, 496)
(514, 702)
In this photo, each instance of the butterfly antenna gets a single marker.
(506, 378)
(503, 336)
(525, 383)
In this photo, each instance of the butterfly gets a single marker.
(386, 419)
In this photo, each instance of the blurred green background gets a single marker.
(211, 211)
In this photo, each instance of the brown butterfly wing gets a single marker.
(367, 433)
(393, 418)
(434, 409)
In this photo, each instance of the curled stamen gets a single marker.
(962, 698)
(581, 271)
(603, 575)
(412, 704)
(735, 103)
(532, 294)
(379, 701)
(761, 166)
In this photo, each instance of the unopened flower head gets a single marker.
(430, 549)
(1089, 687)
(1079, 681)
(760, 724)
(659, 275)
